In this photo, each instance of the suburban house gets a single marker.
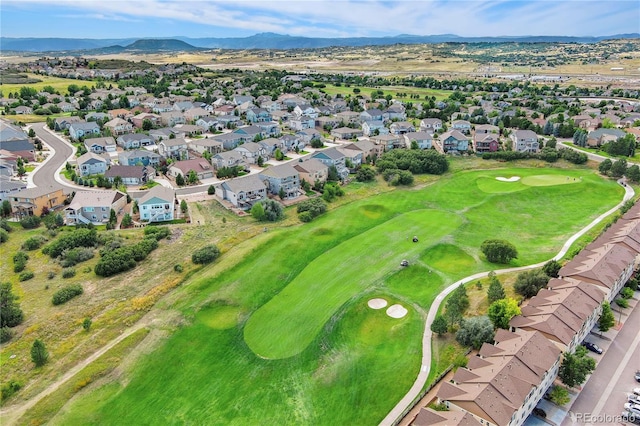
(430, 125)
(525, 141)
(63, 123)
(139, 119)
(462, 126)
(203, 169)
(130, 175)
(302, 122)
(172, 118)
(503, 384)
(157, 205)
(306, 136)
(134, 140)
(249, 133)
(352, 158)
(91, 164)
(600, 136)
(371, 128)
(139, 157)
(282, 177)
(244, 192)
(305, 110)
(9, 187)
(23, 110)
(370, 151)
(430, 417)
(373, 114)
(229, 140)
(348, 117)
(395, 112)
(255, 115)
(452, 141)
(485, 142)
(100, 145)
(486, 128)
(174, 148)
(83, 130)
(251, 151)
(118, 126)
(346, 133)
(423, 139)
(291, 142)
(389, 141)
(211, 146)
(32, 201)
(228, 159)
(208, 124)
(332, 157)
(312, 170)
(401, 127)
(94, 207)
(194, 114)
(270, 146)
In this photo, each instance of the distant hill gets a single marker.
(264, 41)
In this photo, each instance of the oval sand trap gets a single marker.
(396, 311)
(511, 179)
(377, 303)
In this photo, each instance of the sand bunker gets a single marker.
(511, 179)
(396, 311)
(377, 303)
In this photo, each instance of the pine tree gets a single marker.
(39, 354)
(495, 291)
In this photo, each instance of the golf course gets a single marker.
(285, 334)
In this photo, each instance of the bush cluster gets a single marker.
(68, 272)
(66, 293)
(267, 211)
(9, 389)
(415, 161)
(30, 222)
(76, 255)
(33, 243)
(398, 177)
(158, 232)
(4, 236)
(20, 261)
(82, 237)
(547, 154)
(205, 255)
(25, 276)
(310, 209)
(124, 258)
(330, 191)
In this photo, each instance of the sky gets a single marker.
(315, 18)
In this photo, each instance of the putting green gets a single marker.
(447, 258)
(549, 180)
(285, 325)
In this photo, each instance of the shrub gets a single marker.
(178, 267)
(331, 191)
(4, 236)
(143, 248)
(310, 209)
(30, 222)
(9, 389)
(632, 284)
(305, 217)
(20, 261)
(51, 275)
(115, 261)
(66, 293)
(623, 303)
(33, 243)
(86, 324)
(80, 237)
(211, 190)
(4, 224)
(365, 174)
(5, 334)
(414, 161)
(10, 312)
(68, 272)
(205, 255)
(626, 293)
(157, 232)
(25, 276)
(76, 255)
(559, 395)
(528, 283)
(267, 211)
(498, 251)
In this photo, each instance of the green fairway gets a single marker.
(388, 90)
(291, 320)
(284, 336)
(549, 180)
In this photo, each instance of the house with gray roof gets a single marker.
(63, 123)
(229, 159)
(100, 145)
(84, 130)
(130, 175)
(282, 177)
(157, 204)
(134, 140)
(91, 164)
(211, 146)
(423, 139)
(601, 136)
(333, 157)
(94, 207)
(244, 192)
(229, 140)
(251, 151)
(9, 187)
(174, 148)
(139, 157)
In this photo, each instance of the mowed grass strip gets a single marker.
(291, 320)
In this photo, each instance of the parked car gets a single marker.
(637, 375)
(540, 412)
(633, 398)
(592, 347)
(636, 391)
(630, 417)
(632, 408)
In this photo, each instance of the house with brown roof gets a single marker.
(201, 166)
(130, 175)
(31, 201)
(118, 126)
(503, 384)
(282, 177)
(430, 417)
(94, 206)
(312, 170)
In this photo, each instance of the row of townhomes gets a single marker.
(503, 383)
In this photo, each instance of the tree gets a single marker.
(184, 207)
(32, 133)
(576, 367)
(211, 190)
(439, 325)
(475, 331)
(180, 180)
(501, 311)
(365, 174)
(551, 268)
(10, 312)
(528, 283)
(281, 193)
(456, 305)
(332, 175)
(499, 251)
(6, 208)
(618, 168)
(496, 290)
(127, 221)
(39, 354)
(414, 144)
(257, 211)
(278, 154)
(260, 161)
(633, 173)
(607, 319)
(559, 395)
(147, 125)
(206, 254)
(605, 166)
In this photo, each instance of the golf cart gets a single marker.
(404, 263)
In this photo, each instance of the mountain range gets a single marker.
(263, 41)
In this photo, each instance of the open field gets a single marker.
(59, 84)
(392, 90)
(355, 356)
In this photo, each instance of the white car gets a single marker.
(632, 408)
(636, 391)
(633, 398)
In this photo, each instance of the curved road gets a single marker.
(420, 381)
(48, 173)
